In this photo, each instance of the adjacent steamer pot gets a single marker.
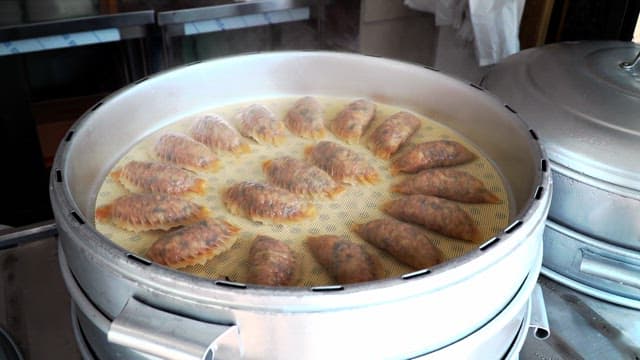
(583, 99)
(174, 315)
(585, 107)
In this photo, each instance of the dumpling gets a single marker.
(142, 212)
(305, 118)
(183, 151)
(266, 203)
(299, 177)
(439, 215)
(352, 121)
(385, 140)
(343, 164)
(193, 244)
(446, 183)
(432, 154)
(153, 177)
(272, 263)
(260, 124)
(213, 131)
(346, 261)
(406, 243)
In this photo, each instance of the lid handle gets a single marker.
(633, 65)
(616, 270)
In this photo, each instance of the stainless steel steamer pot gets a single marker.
(586, 109)
(501, 338)
(583, 99)
(174, 315)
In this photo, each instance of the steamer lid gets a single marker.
(583, 104)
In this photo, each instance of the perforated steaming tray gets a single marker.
(357, 204)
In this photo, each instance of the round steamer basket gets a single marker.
(583, 99)
(501, 338)
(158, 311)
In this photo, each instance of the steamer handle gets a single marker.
(633, 65)
(168, 336)
(11, 237)
(539, 322)
(610, 269)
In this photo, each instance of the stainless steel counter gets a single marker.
(583, 327)
(34, 304)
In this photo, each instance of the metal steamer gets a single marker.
(502, 337)
(158, 311)
(583, 99)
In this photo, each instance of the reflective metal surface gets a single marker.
(596, 208)
(34, 304)
(502, 337)
(383, 313)
(584, 327)
(539, 323)
(605, 271)
(228, 9)
(10, 237)
(83, 347)
(76, 24)
(156, 332)
(581, 103)
(584, 107)
(633, 65)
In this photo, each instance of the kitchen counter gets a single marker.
(583, 327)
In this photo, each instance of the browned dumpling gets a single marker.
(260, 124)
(446, 183)
(142, 212)
(385, 140)
(343, 164)
(406, 243)
(346, 261)
(266, 203)
(153, 177)
(350, 123)
(213, 131)
(272, 263)
(299, 177)
(193, 244)
(439, 215)
(432, 154)
(305, 118)
(183, 151)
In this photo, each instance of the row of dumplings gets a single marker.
(272, 262)
(305, 120)
(257, 122)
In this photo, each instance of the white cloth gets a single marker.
(492, 25)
